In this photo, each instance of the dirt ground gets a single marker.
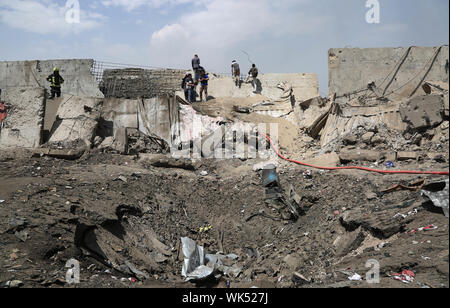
(107, 210)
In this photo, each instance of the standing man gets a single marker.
(236, 73)
(189, 88)
(2, 110)
(196, 67)
(183, 86)
(204, 78)
(253, 73)
(56, 81)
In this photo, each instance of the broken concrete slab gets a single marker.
(422, 112)
(407, 156)
(326, 160)
(163, 161)
(77, 119)
(23, 126)
(69, 154)
(359, 155)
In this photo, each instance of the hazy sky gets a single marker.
(283, 36)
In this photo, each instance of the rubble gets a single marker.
(110, 189)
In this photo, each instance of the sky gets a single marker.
(282, 36)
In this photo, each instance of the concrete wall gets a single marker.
(134, 83)
(305, 86)
(77, 75)
(353, 69)
(25, 117)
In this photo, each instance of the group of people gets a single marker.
(252, 74)
(190, 83)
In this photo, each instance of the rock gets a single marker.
(16, 223)
(407, 156)
(371, 196)
(367, 137)
(359, 155)
(350, 139)
(437, 157)
(417, 139)
(347, 243)
(299, 279)
(292, 261)
(377, 140)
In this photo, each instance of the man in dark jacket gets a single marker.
(196, 67)
(190, 88)
(253, 73)
(56, 81)
(183, 86)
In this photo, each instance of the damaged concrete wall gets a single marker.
(119, 113)
(305, 86)
(25, 120)
(76, 120)
(159, 117)
(342, 121)
(79, 80)
(134, 83)
(397, 70)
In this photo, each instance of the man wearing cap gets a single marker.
(236, 73)
(56, 81)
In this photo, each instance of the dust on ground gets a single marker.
(55, 210)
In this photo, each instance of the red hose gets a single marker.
(354, 167)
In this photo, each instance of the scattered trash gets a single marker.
(204, 173)
(438, 195)
(427, 228)
(205, 229)
(426, 258)
(121, 178)
(355, 277)
(13, 284)
(413, 212)
(414, 186)
(405, 276)
(390, 164)
(307, 174)
(1, 201)
(199, 266)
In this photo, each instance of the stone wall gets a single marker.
(352, 69)
(132, 83)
